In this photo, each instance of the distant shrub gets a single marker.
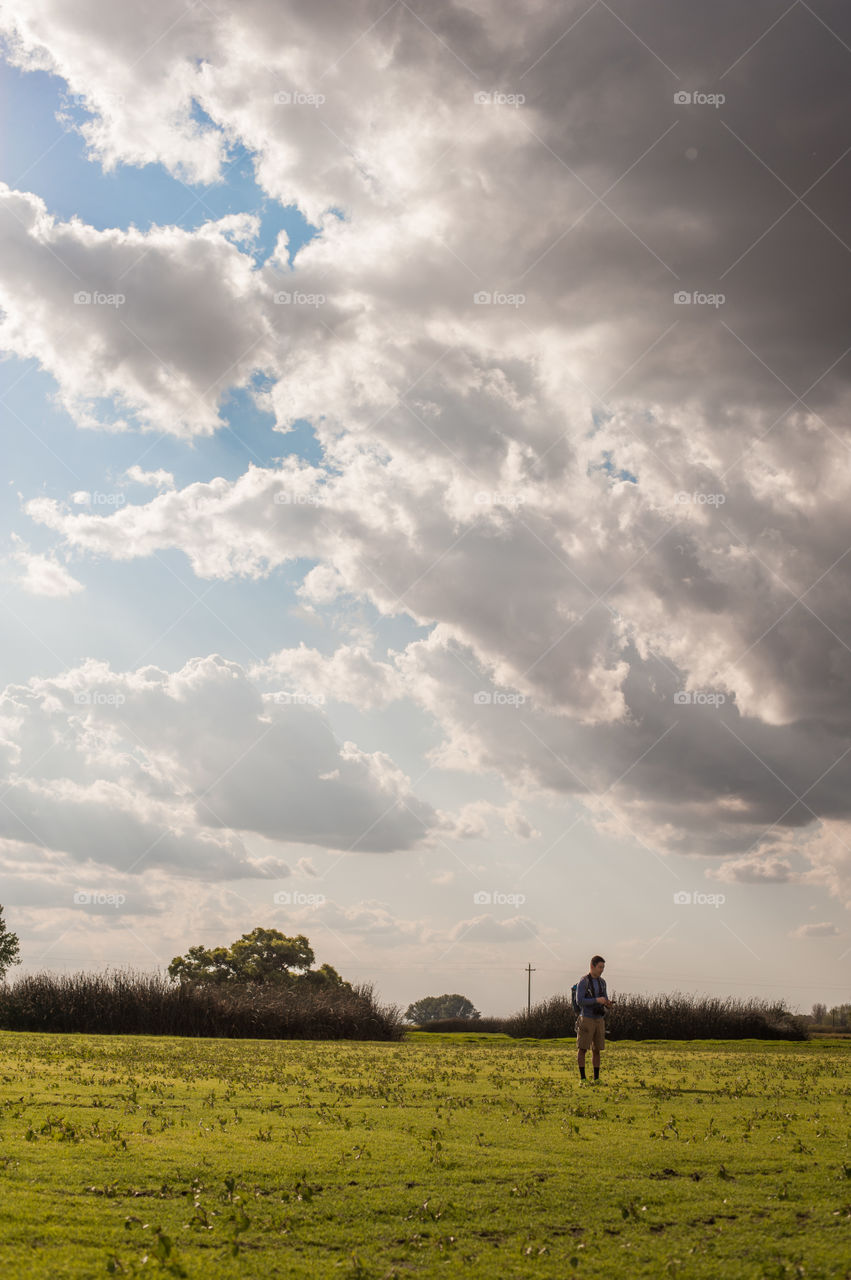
(667, 1017)
(434, 1008)
(462, 1024)
(124, 1002)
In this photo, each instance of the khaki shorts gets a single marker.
(590, 1031)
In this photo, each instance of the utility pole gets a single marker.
(529, 971)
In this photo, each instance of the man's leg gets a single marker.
(599, 1035)
(581, 1048)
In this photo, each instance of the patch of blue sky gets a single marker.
(150, 610)
(48, 157)
(611, 470)
(155, 610)
(44, 452)
(599, 417)
(144, 609)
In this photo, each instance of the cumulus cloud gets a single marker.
(150, 768)
(139, 329)
(762, 870)
(349, 674)
(623, 516)
(824, 929)
(43, 575)
(159, 479)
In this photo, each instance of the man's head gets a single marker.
(598, 964)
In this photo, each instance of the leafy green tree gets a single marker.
(262, 956)
(430, 1008)
(838, 1015)
(9, 947)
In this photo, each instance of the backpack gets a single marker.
(577, 1007)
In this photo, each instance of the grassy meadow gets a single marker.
(442, 1155)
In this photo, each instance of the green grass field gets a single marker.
(439, 1156)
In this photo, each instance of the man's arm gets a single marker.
(586, 1003)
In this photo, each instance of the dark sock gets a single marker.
(596, 1073)
(582, 1073)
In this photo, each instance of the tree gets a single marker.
(9, 948)
(430, 1008)
(819, 1013)
(262, 956)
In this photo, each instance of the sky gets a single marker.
(423, 505)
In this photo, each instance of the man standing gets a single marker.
(590, 1026)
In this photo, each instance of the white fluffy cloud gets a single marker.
(138, 329)
(350, 674)
(625, 513)
(43, 575)
(177, 770)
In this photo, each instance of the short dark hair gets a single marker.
(596, 960)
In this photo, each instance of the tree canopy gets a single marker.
(262, 956)
(9, 947)
(430, 1008)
